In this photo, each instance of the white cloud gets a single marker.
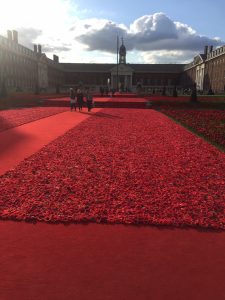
(99, 34)
(57, 26)
(28, 35)
(155, 26)
(148, 33)
(165, 56)
(50, 15)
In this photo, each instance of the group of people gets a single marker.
(77, 98)
(105, 91)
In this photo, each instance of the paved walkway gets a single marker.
(102, 262)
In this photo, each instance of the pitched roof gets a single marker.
(158, 68)
(142, 68)
(89, 67)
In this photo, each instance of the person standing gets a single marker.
(80, 99)
(101, 91)
(72, 99)
(89, 100)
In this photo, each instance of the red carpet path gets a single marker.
(22, 141)
(45, 261)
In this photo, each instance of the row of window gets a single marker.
(15, 47)
(219, 61)
(16, 71)
(216, 52)
(155, 81)
(212, 54)
(100, 80)
(20, 82)
(8, 58)
(218, 76)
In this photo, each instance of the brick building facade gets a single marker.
(23, 69)
(207, 71)
(28, 70)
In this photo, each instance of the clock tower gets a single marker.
(122, 53)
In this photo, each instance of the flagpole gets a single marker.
(117, 64)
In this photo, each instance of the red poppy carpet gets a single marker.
(15, 117)
(37, 128)
(120, 166)
(117, 166)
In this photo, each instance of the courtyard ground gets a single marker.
(184, 259)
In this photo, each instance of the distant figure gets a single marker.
(72, 99)
(101, 91)
(80, 99)
(89, 100)
(106, 91)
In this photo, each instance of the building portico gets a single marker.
(121, 77)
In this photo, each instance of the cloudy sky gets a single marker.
(154, 31)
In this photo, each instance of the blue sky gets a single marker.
(205, 16)
(159, 31)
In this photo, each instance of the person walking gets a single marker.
(72, 99)
(80, 99)
(89, 100)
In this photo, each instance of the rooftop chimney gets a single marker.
(15, 36)
(211, 49)
(55, 58)
(9, 34)
(39, 48)
(35, 48)
(206, 50)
